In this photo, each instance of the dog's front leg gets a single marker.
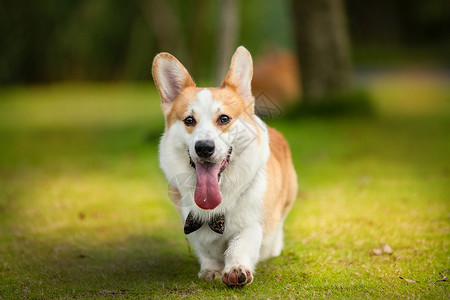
(241, 256)
(210, 266)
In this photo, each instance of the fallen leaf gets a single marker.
(386, 249)
(377, 252)
(408, 280)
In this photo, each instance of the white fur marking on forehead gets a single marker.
(206, 103)
(204, 94)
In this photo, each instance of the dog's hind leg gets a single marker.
(273, 243)
(278, 242)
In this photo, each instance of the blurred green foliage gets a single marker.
(50, 40)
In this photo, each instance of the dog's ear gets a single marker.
(240, 74)
(170, 77)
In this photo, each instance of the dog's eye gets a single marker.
(223, 119)
(189, 121)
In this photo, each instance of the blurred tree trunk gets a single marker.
(165, 25)
(227, 36)
(197, 35)
(323, 46)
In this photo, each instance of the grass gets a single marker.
(84, 209)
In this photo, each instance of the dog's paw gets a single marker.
(237, 276)
(209, 275)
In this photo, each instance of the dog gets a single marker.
(231, 176)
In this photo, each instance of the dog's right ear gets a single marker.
(170, 77)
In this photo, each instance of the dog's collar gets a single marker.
(217, 224)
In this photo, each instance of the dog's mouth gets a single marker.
(223, 164)
(207, 193)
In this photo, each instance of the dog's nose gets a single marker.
(204, 149)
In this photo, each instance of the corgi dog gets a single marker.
(231, 177)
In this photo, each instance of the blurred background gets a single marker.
(361, 90)
(49, 41)
(310, 49)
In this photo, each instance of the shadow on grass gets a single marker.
(355, 103)
(48, 250)
(138, 264)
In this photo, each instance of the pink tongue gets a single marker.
(207, 193)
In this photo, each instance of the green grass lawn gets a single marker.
(84, 209)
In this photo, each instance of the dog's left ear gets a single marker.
(170, 77)
(240, 74)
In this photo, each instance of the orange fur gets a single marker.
(281, 181)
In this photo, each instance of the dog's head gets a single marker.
(207, 124)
